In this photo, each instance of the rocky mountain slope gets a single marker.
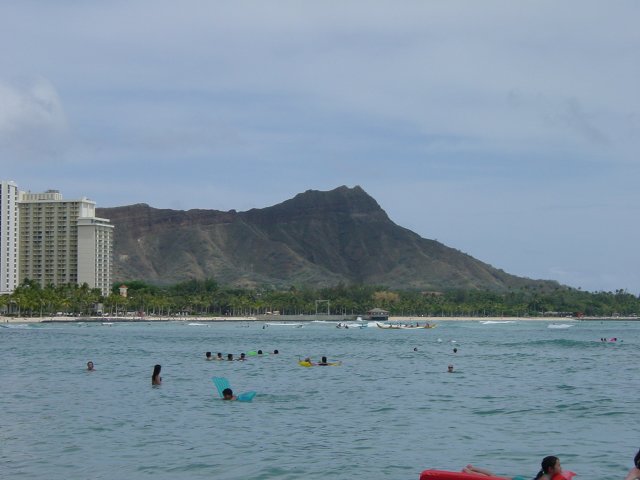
(316, 239)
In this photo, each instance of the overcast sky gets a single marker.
(509, 130)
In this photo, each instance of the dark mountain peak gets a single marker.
(341, 201)
(355, 196)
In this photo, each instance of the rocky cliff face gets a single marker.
(316, 239)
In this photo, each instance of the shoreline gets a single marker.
(302, 318)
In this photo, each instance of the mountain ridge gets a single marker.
(316, 238)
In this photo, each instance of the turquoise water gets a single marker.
(520, 391)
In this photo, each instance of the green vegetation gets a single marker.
(206, 297)
(29, 299)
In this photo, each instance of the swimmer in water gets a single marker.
(90, 366)
(219, 356)
(275, 352)
(455, 350)
(323, 362)
(242, 358)
(308, 360)
(450, 369)
(230, 357)
(208, 355)
(156, 379)
(634, 473)
(259, 352)
(227, 394)
(415, 349)
(550, 466)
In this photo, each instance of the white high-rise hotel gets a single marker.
(58, 241)
(9, 224)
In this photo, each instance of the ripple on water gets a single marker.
(521, 391)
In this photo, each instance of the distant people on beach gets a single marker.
(90, 366)
(230, 357)
(227, 394)
(156, 379)
(208, 356)
(634, 473)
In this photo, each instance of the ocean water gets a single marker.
(520, 391)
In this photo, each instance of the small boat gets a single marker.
(351, 325)
(414, 327)
(405, 327)
(388, 326)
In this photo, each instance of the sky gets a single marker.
(507, 130)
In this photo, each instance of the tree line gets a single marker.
(207, 297)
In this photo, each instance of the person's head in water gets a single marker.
(208, 355)
(90, 366)
(450, 369)
(229, 356)
(323, 361)
(276, 352)
(455, 350)
(636, 460)
(415, 349)
(242, 356)
(227, 394)
(155, 378)
(259, 352)
(550, 466)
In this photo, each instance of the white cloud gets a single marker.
(33, 123)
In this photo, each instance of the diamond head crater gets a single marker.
(316, 239)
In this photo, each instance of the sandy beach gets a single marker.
(296, 318)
